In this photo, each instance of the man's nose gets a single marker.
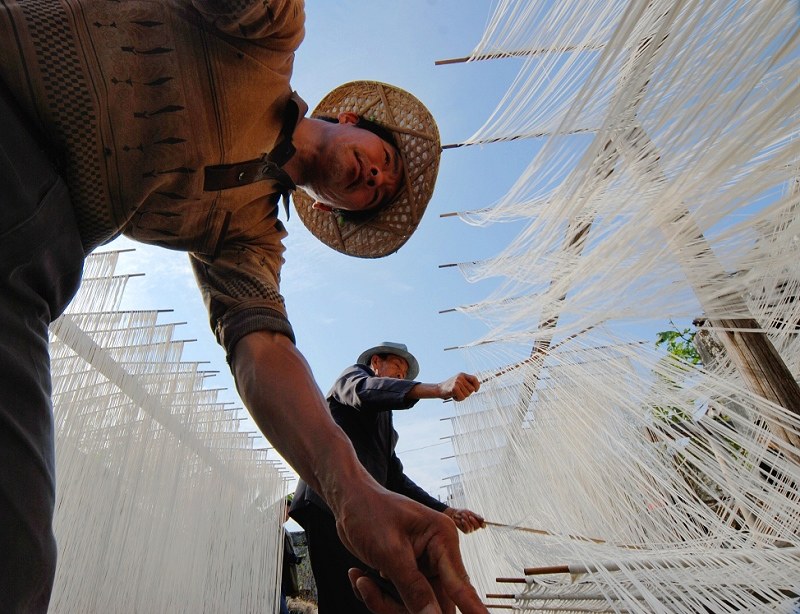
(375, 176)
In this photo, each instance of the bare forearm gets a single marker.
(413, 546)
(458, 387)
(278, 388)
(425, 391)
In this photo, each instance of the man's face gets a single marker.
(390, 365)
(358, 170)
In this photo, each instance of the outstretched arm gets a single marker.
(466, 520)
(359, 389)
(278, 388)
(458, 388)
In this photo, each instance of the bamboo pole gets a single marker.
(550, 608)
(546, 570)
(654, 563)
(518, 54)
(550, 534)
(516, 137)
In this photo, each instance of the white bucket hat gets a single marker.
(389, 347)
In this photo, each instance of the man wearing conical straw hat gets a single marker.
(175, 124)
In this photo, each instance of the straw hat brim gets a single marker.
(417, 137)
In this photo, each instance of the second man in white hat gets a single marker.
(361, 402)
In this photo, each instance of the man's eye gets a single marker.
(386, 158)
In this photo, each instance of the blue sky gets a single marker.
(340, 305)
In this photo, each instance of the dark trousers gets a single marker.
(41, 260)
(330, 561)
(284, 608)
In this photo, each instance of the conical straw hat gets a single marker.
(417, 137)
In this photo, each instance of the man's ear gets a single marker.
(321, 206)
(374, 362)
(347, 117)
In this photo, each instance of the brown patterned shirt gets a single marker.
(141, 100)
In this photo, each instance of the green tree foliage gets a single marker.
(680, 347)
(680, 343)
(681, 350)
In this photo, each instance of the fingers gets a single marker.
(435, 583)
(471, 521)
(463, 385)
(414, 587)
(456, 591)
(373, 597)
(466, 520)
(453, 581)
(417, 550)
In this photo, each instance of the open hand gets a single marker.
(413, 547)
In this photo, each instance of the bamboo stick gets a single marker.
(518, 54)
(543, 532)
(516, 137)
(655, 563)
(543, 571)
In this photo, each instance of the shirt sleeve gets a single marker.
(241, 286)
(400, 483)
(280, 21)
(359, 388)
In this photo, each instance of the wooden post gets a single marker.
(761, 367)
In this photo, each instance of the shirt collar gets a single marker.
(295, 110)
